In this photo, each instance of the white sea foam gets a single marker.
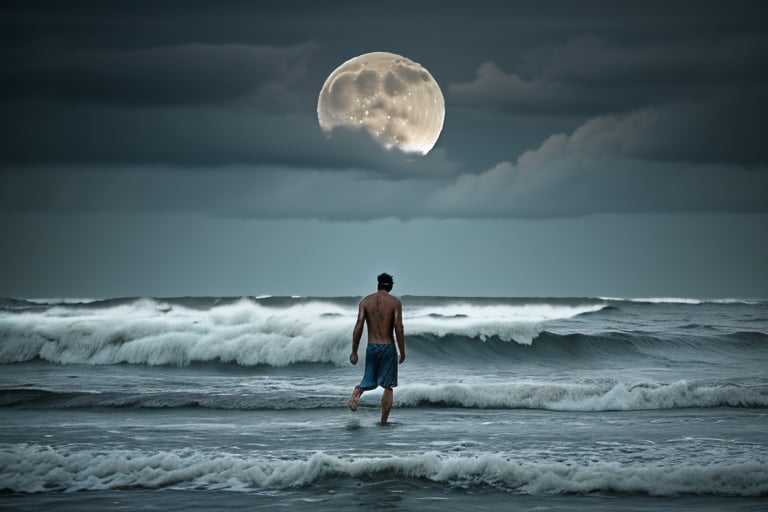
(36, 468)
(609, 396)
(553, 396)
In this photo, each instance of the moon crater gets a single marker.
(391, 97)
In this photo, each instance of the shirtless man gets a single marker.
(383, 314)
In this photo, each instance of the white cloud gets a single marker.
(606, 165)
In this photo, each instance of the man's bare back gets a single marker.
(381, 312)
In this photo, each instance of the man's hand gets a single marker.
(353, 358)
(402, 357)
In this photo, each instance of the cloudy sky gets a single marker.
(589, 149)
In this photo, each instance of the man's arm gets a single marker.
(357, 333)
(399, 331)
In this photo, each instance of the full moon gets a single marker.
(391, 97)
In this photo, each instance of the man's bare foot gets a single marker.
(354, 399)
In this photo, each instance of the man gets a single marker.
(383, 314)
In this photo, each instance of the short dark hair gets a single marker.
(385, 281)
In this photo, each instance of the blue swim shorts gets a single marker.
(380, 366)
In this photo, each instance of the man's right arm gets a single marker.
(400, 331)
(357, 333)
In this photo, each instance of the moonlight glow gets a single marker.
(393, 98)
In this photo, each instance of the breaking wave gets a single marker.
(245, 332)
(33, 468)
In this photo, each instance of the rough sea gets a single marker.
(502, 404)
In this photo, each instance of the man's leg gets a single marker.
(386, 405)
(355, 398)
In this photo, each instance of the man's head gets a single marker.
(385, 282)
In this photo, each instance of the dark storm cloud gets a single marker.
(708, 100)
(169, 75)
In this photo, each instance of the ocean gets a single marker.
(502, 404)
